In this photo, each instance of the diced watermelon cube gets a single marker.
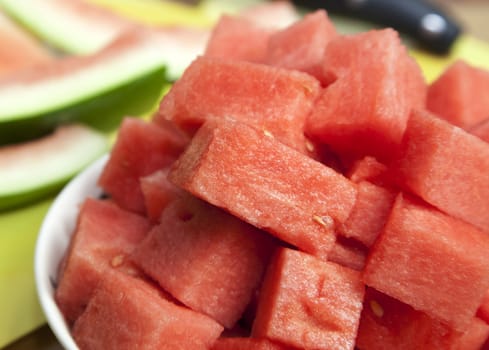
(445, 166)
(365, 110)
(428, 259)
(239, 39)
(387, 323)
(273, 99)
(247, 344)
(460, 95)
(141, 148)
(104, 237)
(267, 184)
(158, 192)
(301, 46)
(369, 214)
(128, 313)
(308, 303)
(207, 259)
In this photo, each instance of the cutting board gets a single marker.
(18, 228)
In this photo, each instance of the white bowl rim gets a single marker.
(53, 240)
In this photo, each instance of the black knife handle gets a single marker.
(422, 20)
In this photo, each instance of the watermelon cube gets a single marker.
(308, 303)
(141, 148)
(387, 323)
(273, 99)
(460, 95)
(207, 259)
(264, 182)
(369, 214)
(376, 84)
(247, 344)
(158, 192)
(428, 259)
(239, 39)
(129, 313)
(446, 166)
(301, 46)
(370, 169)
(104, 237)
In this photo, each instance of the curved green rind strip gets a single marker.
(103, 112)
(47, 172)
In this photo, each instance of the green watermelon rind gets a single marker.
(46, 172)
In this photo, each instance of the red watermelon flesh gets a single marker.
(483, 311)
(198, 254)
(481, 130)
(105, 235)
(308, 303)
(158, 192)
(239, 39)
(369, 214)
(247, 344)
(301, 46)
(424, 258)
(445, 166)
(273, 99)
(387, 323)
(141, 148)
(365, 111)
(370, 169)
(348, 253)
(267, 184)
(460, 95)
(128, 313)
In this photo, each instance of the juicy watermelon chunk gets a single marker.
(308, 303)
(369, 214)
(206, 258)
(239, 39)
(371, 170)
(445, 166)
(158, 192)
(247, 344)
(460, 95)
(427, 259)
(267, 184)
(301, 46)
(128, 313)
(105, 235)
(376, 84)
(270, 98)
(141, 148)
(387, 323)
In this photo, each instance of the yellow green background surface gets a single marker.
(19, 308)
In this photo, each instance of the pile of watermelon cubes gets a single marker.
(298, 189)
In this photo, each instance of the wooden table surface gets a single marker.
(472, 14)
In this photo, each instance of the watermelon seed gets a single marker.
(310, 146)
(376, 308)
(325, 221)
(267, 133)
(117, 260)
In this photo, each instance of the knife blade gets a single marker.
(422, 20)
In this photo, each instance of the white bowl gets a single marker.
(53, 240)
